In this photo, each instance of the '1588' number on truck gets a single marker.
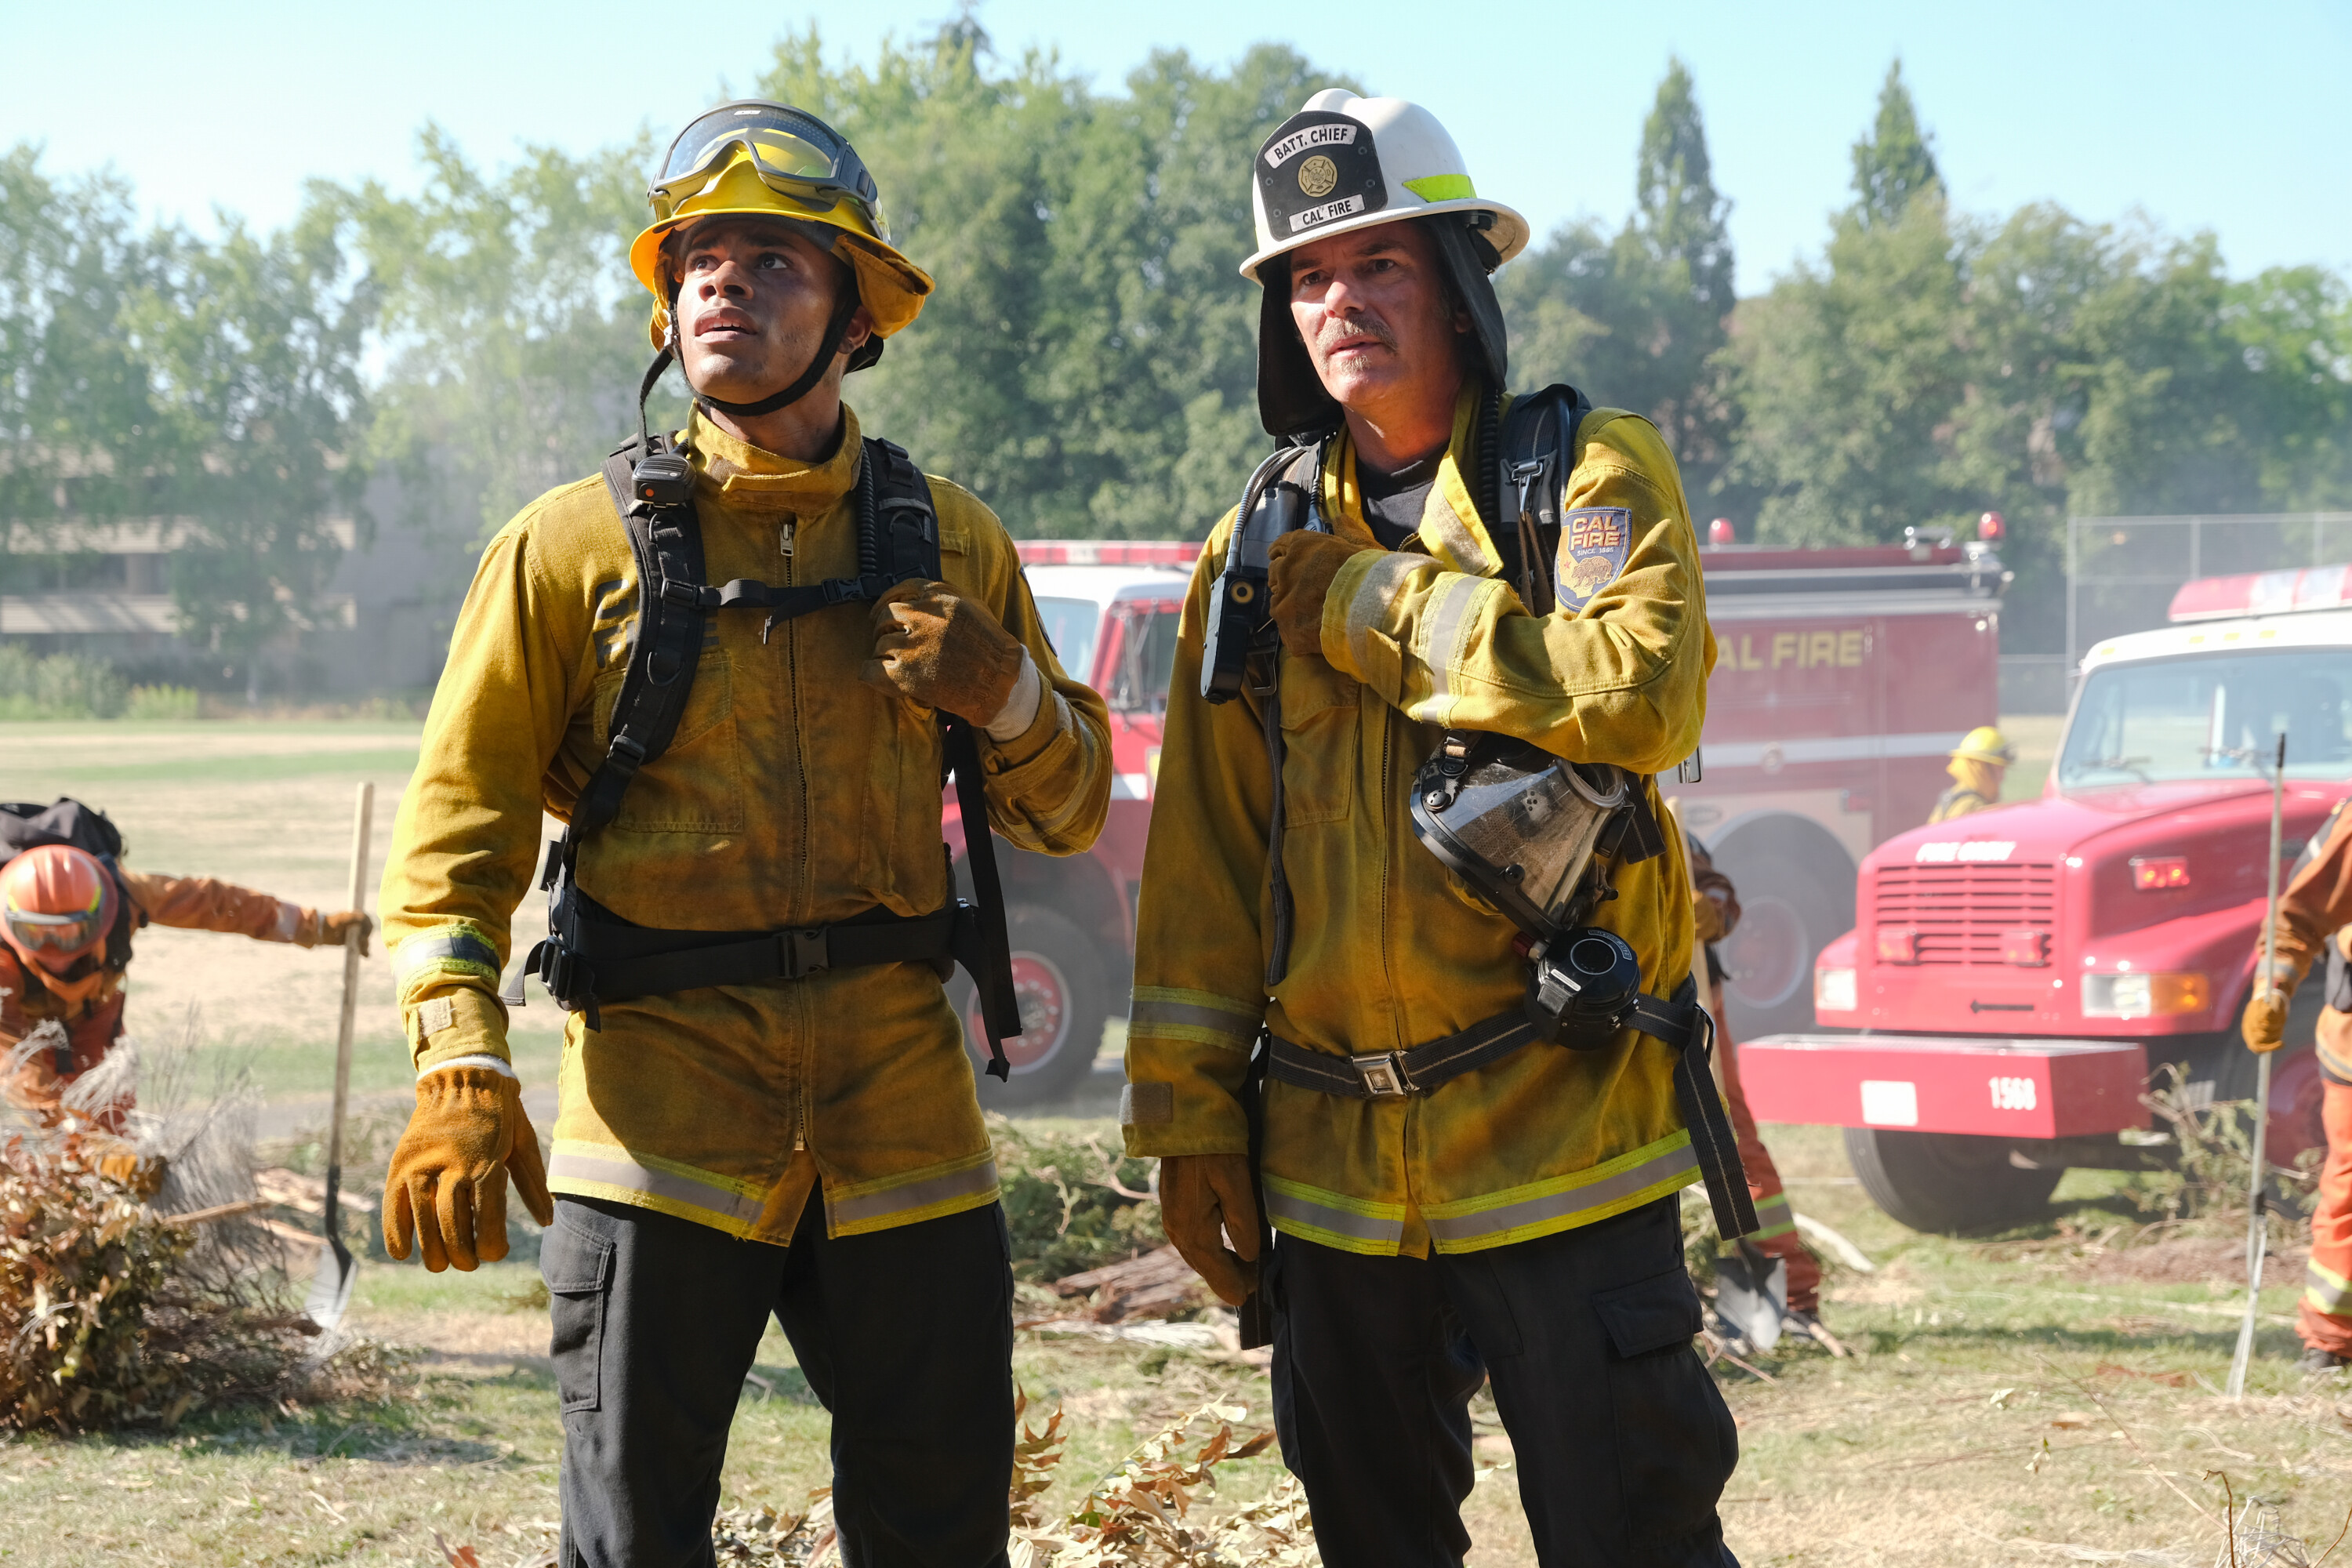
(2012, 1093)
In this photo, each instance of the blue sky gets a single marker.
(2232, 121)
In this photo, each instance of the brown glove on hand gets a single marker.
(1302, 565)
(327, 928)
(447, 1187)
(2264, 1022)
(934, 646)
(1707, 918)
(1198, 1195)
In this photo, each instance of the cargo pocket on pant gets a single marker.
(1676, 1444)
(578, 1269)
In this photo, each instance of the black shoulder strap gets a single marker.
(1535, 452)
(899, 540)
(664, 648)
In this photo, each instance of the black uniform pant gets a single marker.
(1620, 1438)
(904, 1335)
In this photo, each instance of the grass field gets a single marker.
(2045, 1396)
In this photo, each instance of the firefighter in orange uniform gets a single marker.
(2313, 913)
(66, 916)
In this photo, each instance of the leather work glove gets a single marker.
(1302, 565)
(1199, 1193)
(934, 646)
(1707, 918)
(447, 1186)
(2264, 1022)
(325, 928)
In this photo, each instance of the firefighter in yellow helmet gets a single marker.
(1977, 766)
(1461, 1185)
(734, 665)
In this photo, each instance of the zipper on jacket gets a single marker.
(799, 773)
(1388, 832)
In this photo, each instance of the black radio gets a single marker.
(1241, 621)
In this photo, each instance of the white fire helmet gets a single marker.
(1345, 162)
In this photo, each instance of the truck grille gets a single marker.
(1967, 914)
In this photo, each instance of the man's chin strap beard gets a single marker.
(833, 332)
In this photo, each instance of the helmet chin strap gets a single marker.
(821, 362)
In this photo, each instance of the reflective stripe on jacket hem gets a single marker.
(1349, 1224)
(1541, 1208)
(602, 1171)
(925, 1197)
(2325, 1290)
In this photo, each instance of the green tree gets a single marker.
(252, 347)
(1894, 164)
(79, 435)
(513, 334)
(1088, 364)
(1639, 320)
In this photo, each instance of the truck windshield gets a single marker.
(2208, 717)
(1070, 628)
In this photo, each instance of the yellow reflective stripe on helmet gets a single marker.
(1351, 1224)
(603, 1171)
(871, 1207)
(1441, 187)
(1522, 1213)
(2325, 1290)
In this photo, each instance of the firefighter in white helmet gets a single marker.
(1459, 1191)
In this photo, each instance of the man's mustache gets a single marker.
(1372, 327)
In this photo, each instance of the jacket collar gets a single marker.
(732, 473)
(1450, 529)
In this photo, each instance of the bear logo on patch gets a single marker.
(1594, 542)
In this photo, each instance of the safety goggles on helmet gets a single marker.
(68, 933)
(794, 152)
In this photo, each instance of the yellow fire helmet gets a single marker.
(1985, 744)
(759, 158)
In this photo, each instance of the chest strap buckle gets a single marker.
(1383, 1075)
(804, 952)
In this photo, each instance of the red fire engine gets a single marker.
(2016, 974)
(1843, 678)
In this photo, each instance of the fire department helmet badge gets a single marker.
(1593, 543)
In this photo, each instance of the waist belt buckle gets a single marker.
(805, 952)
(1383, 1075)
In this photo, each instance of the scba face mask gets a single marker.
(1534, 834)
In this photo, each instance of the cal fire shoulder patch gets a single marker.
(1593, 543)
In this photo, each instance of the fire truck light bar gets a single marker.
(2264, 594)
(1106, 552)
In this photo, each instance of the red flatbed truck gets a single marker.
(2015, 975)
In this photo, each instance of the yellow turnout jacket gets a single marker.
(1391, 949)
(794, 795)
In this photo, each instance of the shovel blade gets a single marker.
(330, 1289)
(1751, 1293)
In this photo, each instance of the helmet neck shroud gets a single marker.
(1291, 401)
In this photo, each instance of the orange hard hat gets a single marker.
(56, 903)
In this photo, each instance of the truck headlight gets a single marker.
(1835, 992)
(2145, 996)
